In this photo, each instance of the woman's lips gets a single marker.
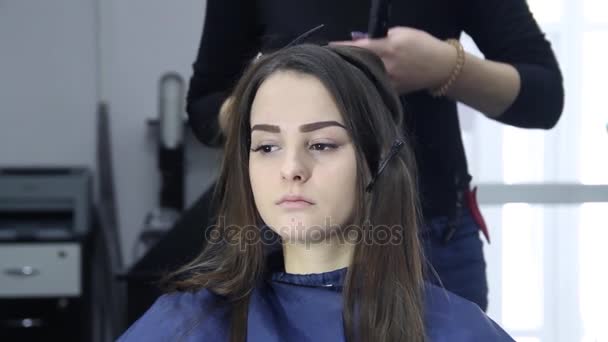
(294, 202)
(298, 204)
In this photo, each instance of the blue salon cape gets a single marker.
(299, 308)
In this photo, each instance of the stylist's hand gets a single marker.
(414, 59)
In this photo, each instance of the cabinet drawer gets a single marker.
(40, 270)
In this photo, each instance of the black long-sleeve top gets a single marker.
(504, 30)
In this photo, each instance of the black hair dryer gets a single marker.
(171, 104)
(171, 140)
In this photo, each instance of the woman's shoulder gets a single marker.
(180, 316)
(452, 318)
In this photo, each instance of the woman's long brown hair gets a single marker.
(383, 293)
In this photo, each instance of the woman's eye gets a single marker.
(265, 148)
(323, 147)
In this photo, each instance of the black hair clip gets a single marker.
(304, 35)
(393, 151)
(298, 39)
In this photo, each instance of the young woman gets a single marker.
(315, 159)
(517, 83)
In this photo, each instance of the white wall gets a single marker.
(139, 41)
(47, 82)
(59, 58)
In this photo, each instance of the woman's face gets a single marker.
(302, 163)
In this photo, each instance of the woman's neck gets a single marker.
(302, 258)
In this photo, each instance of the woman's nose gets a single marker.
(295, 167)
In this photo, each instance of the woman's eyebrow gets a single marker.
(303, 128)
(266, 128)
(318, 125)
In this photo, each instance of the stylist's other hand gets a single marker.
(224, 111)
(414, 59)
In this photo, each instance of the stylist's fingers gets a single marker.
(378, 46)
(356, 35)
(395, 30)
